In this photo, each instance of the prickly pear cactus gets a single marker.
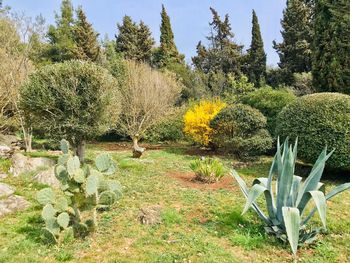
(84, 191)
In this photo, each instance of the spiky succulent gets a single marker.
(84, 190)
(286, 214)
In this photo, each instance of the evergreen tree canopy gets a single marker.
(297, 33)
(222, 54)
(134, 41)
(85, 38)
(167, 52)
(61, 37)
(256, 57)
(331, 48)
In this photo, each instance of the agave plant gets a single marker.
(288, 197)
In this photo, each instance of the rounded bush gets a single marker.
(241, 129)
(319, 120)
(74, 100)
(269, 102)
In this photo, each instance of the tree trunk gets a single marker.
(80, 151)
(28, 136)
(137, 151)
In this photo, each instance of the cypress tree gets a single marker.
(61, 37)
(167, 52)
(331, 48)
(86, 38)
(256, 57)
(295, 49)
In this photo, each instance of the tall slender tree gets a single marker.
(331, 48)
(297, 33)
(256, 57)
(62, 45)
(85, 38)
(167, 52)
(145, 43)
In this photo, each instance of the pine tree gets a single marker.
(167, 52)
(256, 57)
(222, 54)
(297, 33)
(86, 38)
(134, 40)
(331, 48)
(61, 37)
(145, 43)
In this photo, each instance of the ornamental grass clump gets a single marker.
(286, 204)
(72, 212)
(208, 170)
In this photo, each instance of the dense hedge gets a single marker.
(269, 102)
(318, 120)
(241, 129)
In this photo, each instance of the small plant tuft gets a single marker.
(208, 170)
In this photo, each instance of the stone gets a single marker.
(9, 140)
(150, 215)
(47, 177)
(13, 204)
(3, 176)
(21, 163)
(5, 151)
(5, 190)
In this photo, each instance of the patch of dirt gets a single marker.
(189, 180)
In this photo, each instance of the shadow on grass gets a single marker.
(32, 229)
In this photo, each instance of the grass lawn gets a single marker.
(199, 223)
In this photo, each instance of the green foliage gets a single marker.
(83, 191)
(302, 83)
(169, 129)
(297, 33)
(167, 53)
(269, 102)
(208, 170)
(256, 57)
(88, 47)
(331, 56)
(76, 100)
(241, 129)
(319, 119)
(287, 216)
(134, 41)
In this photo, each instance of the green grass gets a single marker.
(197, 225)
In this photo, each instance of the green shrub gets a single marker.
(269, 102)
(84, 190)
(169, 129)
(319, 120)
(75, 100)
(286, 215)
(241, 129)
(208, 170)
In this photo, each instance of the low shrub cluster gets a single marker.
(208, 170)
(319, 120)
(241, 129)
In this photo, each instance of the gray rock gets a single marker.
(47, 177)
(5, 190)
(5, 151)
(9, 140)
(13, 204)
(150, 215)
(21, 163)
(3, 176)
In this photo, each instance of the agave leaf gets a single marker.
(294, 190)
(320, 202)
(285, 183)
(254, 193)
(335, 191)
(291, 217)
(295, 153)
(268, 195)
(261, 180)
(312, 181)
(245, 191)
(279, 158)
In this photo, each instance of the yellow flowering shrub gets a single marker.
(197, 120)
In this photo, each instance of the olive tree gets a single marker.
(147, 96)
(74, 100)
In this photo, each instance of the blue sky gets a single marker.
(189, 18)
